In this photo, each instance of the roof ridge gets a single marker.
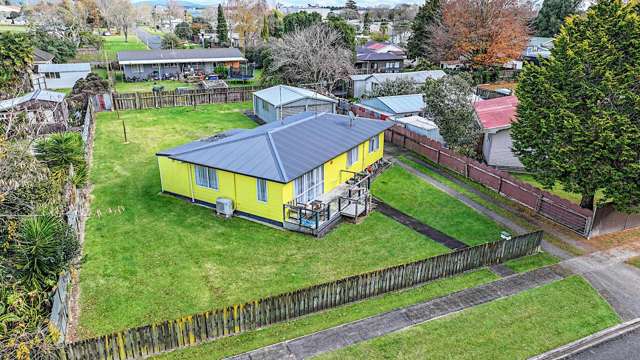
(295, 122)
(216, 143)
(275, 153)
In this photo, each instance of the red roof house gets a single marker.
(495, 116)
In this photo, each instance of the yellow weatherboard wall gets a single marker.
(179, 178)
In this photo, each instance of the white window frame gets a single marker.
(309, 186)
(352, 156)
(208, 178)
(262, 196)
(374, 144)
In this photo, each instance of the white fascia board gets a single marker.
(173, 61)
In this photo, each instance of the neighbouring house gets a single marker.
(378, 57)
(63, 76)
(453, 64)
(294, 174)
(537, 47)
(362, 85)
(163, 63)
(41, 107)
(420, 125)
(280, 101)
(398, 105)
(495, 116)
(42, 57)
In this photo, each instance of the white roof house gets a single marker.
(398, 105)
(63, 76)
(421, 126)
(364, 84)
(268, 103)
(42, 95)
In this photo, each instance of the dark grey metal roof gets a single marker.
(41, 55)
(149, 56)
(278, 151)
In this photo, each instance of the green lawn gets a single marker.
(556, 190)
(151, 257)
(529, 263)
(492, 204)
(15, 28)
(408, 193)
(516, 327)
(112, 44)
(152, 30)
(634, 261)
(253, 340)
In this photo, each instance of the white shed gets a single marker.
(63, 76)
(268, 103)
(364, 84)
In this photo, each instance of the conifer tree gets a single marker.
(578, 115)
(421, 29)
(221, 28)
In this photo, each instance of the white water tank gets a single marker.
(224, 206)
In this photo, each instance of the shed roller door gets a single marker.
(292, 110)
(321, 108)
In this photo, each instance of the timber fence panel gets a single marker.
(190, 330)
(546, 204)
(173, 98)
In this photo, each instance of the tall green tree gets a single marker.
(300, 20)
(421, 29)
(183, 31)
(221, 28)
(16, 57)
(366, 23)
(276, 24)
(346, 31)
(552, 14)
(448, 103)
(264, 33)
(578, 114)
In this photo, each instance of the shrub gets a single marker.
(60, 151)
(44, 248)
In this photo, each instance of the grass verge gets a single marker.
(516, 327)
(532, 262)
(330, 318)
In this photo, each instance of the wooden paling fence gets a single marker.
(232, 320)
(542, 202)
(191, 97)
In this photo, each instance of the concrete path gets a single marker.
(417, 225)
(379, 325)
(616, 281)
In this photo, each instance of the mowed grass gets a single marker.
(249, 341)
(516, 327)
(556, 190)
(13, 28)
(152, 257)
(413, 196)
(110, 47)
(532, 262)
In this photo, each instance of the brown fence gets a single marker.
(542, 202)
(190, 330)
(191, 97)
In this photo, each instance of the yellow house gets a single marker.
(300, 173)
